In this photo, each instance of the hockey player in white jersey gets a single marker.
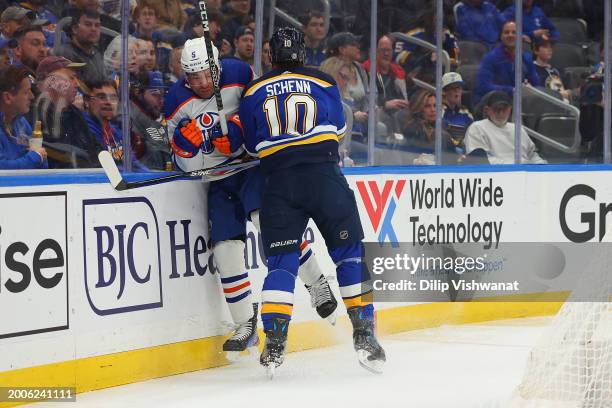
(197, 142)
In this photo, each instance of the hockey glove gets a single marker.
(187, 138)
(221, 143)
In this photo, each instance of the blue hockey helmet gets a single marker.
(287, 46)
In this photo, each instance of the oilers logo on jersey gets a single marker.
(206, 122)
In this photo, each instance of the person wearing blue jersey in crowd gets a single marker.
(43, 14)
(198, 142)
(292, 119)
(315, 33)
(419, 61)
(496, 71)
(456, 117)
(535, 22)
(15, 100)
(478, 21)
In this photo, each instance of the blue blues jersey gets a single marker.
(292, 117)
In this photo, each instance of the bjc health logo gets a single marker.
(122, 255)
(380, 204)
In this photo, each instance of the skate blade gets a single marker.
(232, 356)
(270, 371)
(374, 366)
(331, 319)
(252, 352)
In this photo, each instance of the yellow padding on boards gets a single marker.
(276, 308)
(111, 370)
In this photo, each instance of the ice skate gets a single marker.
(274, 349)
(323, 300)
(245, 337)
(370, 354)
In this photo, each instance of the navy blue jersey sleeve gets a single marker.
(235, 72)
(249, 131)
(336, 111)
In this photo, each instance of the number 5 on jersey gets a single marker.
(296, 124)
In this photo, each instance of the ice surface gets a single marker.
(451, 366)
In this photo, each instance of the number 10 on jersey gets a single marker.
(295, 124)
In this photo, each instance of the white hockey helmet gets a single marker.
(194, 57)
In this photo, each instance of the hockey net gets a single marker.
(571, 365)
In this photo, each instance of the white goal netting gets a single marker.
(571, 366)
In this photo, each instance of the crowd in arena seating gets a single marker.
(60, 64)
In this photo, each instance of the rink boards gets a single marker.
(100, 288)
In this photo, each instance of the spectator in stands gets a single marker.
(418, 129)
(77, 7)
(548, 75)
(314, 30)
(5, 59)
(390, 81)
(244, 44)
(493, 137)
(15, 131)
(345, 46)
(592, 118)
(535, 22)
(342, 71)
(147, 99)
(145, 17)
(479, 21)
(13, 18)
(193, 27)
(101, 105)
(146, 50)
(112, 58)
(496, 71)
(266, 58)
(30, 47)
(238, 14)
(419, 123)
(42, 13)
(599, 68)
(176, 69)
(456, 117)
(84, 31)
(40, 10)
(64, 127)
(170, 14)
(418, 61)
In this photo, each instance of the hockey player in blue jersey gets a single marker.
(197, 142)
(292, 119)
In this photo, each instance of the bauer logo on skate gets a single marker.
(33, 266)
(122, 255)
(380, 205)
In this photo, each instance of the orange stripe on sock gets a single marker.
(276, 308)
(303, 245)
(236, 288)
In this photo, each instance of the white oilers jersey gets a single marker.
(181, 102)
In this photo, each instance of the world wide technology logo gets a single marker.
(380, 206)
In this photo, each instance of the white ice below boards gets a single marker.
(471, 366)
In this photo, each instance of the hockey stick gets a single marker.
(214, 69)
(119, 184)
